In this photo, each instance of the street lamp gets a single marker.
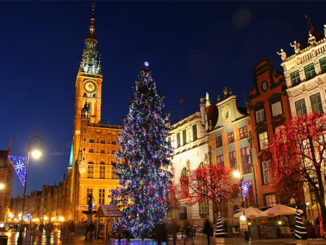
(2, 186)
(34, 152)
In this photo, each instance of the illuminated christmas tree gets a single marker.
(145, 153)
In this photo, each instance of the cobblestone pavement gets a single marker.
(199, 240)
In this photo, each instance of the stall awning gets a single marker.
(108, 211)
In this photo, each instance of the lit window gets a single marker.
(101, 196)
(300, 107)
(260, 115)
(178, 139)
(263, 140)
(203, 208)
(102, 172)
(316, 105)
(184, 137)
(220, 160)
(243, 132)
(270, 200)
(277, 109)
(194, 132)
(233, 163)
(90, 171)
(295, 78)
(231, 137)
(322, 63)
(267, 172)
(219, 141)
(245, 160)
(309, 71)
(113, 171)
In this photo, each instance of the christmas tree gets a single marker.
(145, 153)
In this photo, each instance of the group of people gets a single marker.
(34, 230)
(67, 229)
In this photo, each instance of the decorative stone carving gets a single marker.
(296, 46)
(225, 91)
(208, 103)
(298, 60)
(325, 30)
(311, 39)
(218, 98)
(282, 54)
(313, 53)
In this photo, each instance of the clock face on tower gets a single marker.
(90, 86)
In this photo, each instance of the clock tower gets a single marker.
(89, 79)
(92, 162)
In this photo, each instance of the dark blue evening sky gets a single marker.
(192, 47)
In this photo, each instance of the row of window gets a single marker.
(90, 172)
(186, 140)
(245, 160)
(101, 195)
(309, 71)
(102, 151)
(102, 141)
(276, 109)
(315, 102)
(243, 132)
(102, 163)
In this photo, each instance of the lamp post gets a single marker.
(34, 152)
(236, 174)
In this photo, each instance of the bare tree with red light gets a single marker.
(297, 155)
(214, 183)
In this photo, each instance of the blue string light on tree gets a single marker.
(143, 176)
(19, 164)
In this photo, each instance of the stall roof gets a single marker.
(108, 211)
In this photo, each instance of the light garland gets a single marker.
(145, 153)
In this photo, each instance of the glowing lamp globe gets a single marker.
(36, 154)
(236, 174)
(243, 218)
(2, 186)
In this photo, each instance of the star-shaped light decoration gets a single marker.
(245, 188)
(19, 164)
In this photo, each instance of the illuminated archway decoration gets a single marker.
(19, 164)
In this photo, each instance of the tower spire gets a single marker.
(91, 30)
(90, 63)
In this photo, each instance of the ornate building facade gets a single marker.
(92, 164)
(189, 141)
(305, 73)
(228, 127)
(269, 109)
(305, 76)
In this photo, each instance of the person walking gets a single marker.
(174, 228)
(208, 230)
(120, 232)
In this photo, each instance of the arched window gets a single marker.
(184, 180)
